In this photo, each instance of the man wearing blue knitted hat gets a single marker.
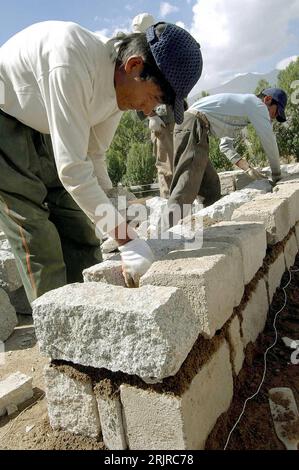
(65, 91)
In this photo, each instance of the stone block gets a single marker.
(255, 313)
(109, 272)
(236, 344)
(72, 405)
(291, 193)
(274, 275)
(290, 251)
(156, 421)
(227, 182)
(9, 275)
(147, 331)
(201, 274)
(14, 390)
(110, 411)
(274, 213)
(250, 237)
(8, 317)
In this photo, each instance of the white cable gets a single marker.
(265, 359)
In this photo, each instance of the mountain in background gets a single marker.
(245, 83)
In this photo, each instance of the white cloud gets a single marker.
(166, 8)
(181, 24)
(235, 36)
(282, 64)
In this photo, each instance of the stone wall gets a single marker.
(153, 367)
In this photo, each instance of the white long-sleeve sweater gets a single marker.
(59, 78)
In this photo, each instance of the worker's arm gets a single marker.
(259, 117)
(226, 146)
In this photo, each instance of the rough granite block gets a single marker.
(290, 251)
(274, 213)
(147, 331)
(290, 192)
(72, 405)
(8, 317)
(14, 390)
(236, 344)
(155, 421)
(110, 410)
(250, 237)
(211, 278)
(255, 313)
(274, 275)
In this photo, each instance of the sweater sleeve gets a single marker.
(259, 118)
(67, 93)
(100, 138)
(226, 146)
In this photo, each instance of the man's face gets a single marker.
(132, 93)
(272, 107)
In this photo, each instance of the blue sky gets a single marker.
(237, 36)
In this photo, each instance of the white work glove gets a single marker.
(255, 174)
(137, 257)
(155, 123)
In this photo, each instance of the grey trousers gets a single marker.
(194, 173)
(51, 237)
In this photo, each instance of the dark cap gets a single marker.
(178, 57)
(280, 98)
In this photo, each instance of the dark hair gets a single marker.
(262, 95)
(136, 44)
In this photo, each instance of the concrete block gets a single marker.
(274, 275)
(291, 193)
(147, 331)
(201, 274)
(236, 344)
(14, 390)
(290, 250)
(227, 182)
(8, 317)
(274, 213)
(9, 275)
(242, 180)
(110, 411)
(155, 421)
(72, 405)
(224, 208)
(255, 313)
(109, 272)
(250, 237)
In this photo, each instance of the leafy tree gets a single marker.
(140, 164)
(288, 133)
(219, 160)
(131, 130)
(262, 84)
